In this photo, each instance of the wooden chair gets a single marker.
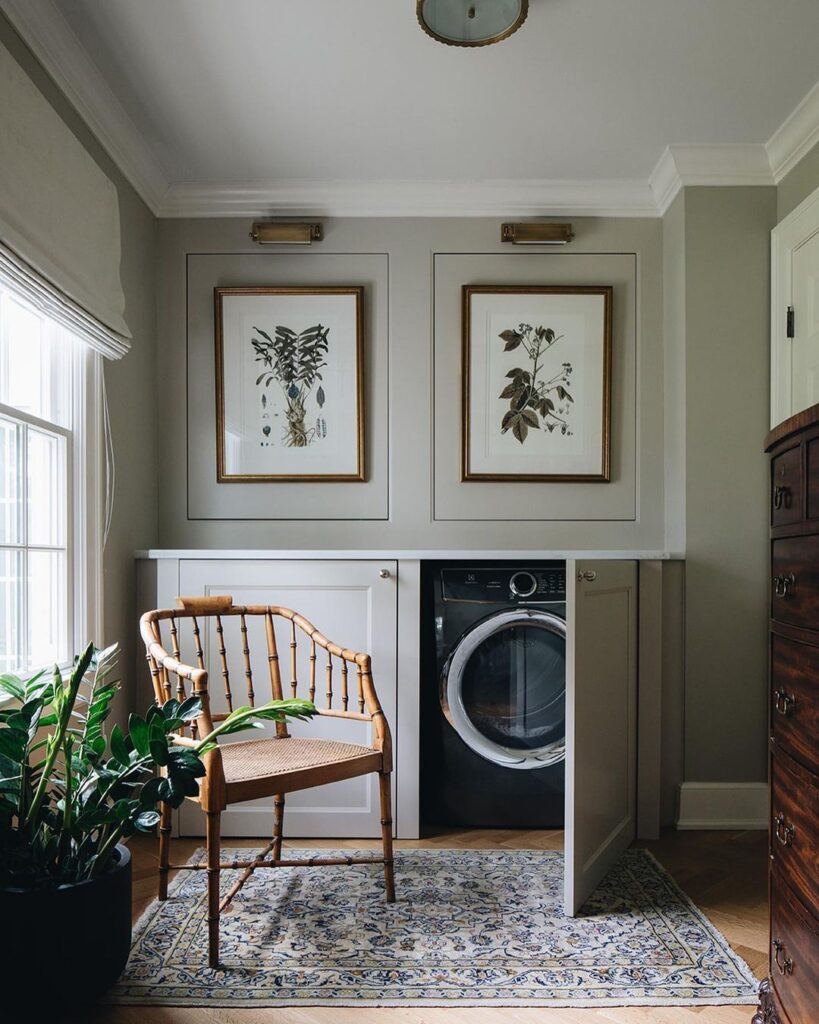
(268, 767)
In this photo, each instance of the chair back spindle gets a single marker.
(275, 671)
(220, 633)
(329, 680)
(251, 697)
(311, 693)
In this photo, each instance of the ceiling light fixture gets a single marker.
(285, 232)
(471, 22)
(537, 234)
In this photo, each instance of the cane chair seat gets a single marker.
(259, 759)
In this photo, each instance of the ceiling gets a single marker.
(255, 101)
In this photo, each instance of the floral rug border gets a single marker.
(222, 997)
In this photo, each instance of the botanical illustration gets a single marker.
(294, 362)
(535, 400)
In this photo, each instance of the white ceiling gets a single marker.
(244, 97)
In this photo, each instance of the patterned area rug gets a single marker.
(470, 928)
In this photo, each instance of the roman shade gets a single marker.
(59, 218)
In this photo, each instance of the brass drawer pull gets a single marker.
(784, 703)
(783, 584)
(784, 833)
(784, 964)
(782, 497)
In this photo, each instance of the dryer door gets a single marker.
(503, 688)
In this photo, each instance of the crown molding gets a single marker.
(412, 199)
(732, 164)
(797, 134)
(50, 38)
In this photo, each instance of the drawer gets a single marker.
(795, 699)
(795, 581)
(812, 485)
(786, 487)
(795, 826)
(794, 954)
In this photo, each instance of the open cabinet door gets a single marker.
(601, 721)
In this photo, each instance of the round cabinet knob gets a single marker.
(384, 574)
(523, 584)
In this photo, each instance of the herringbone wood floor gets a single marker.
(723, 872)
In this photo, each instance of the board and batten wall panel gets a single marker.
(477, 500)
(405, 501)
(267, 501)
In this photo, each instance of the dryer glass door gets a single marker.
(504, 688)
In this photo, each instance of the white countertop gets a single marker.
(395, 555)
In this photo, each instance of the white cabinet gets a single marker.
(353, 604)
(372, 604)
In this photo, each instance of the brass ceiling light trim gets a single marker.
(537, 234)
(285, 232)
(471, 22)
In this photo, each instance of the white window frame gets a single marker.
(85, 490)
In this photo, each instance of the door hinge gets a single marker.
(790, 323)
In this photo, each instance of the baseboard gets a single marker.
(723, 805)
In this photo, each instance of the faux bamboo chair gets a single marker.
(268, 767)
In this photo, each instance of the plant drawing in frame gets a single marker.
(536, 382)
(289, 392)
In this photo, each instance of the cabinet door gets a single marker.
(601, 721)
(351, 604)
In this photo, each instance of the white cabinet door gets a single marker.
(351, 604)
(601, 721)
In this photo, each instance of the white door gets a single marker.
(805, 342)
(349, 602)
(601, 721)
(795, 287)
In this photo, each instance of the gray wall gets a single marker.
(130, 384)
(419, 338)
(798, 183)
(727, 271)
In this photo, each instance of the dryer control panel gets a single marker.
(514, 585)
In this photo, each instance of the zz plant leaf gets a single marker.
(67, 799)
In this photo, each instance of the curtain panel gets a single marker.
(59, 218)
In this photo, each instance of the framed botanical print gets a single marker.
(536, 380)
(289, 388)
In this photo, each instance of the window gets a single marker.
(49, 515)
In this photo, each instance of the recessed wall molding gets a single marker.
(48, 34)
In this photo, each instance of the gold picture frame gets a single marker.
(518, 404)
(298, 351)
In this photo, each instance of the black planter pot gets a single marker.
(66, 945)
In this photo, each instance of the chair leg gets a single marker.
(213, 849)
(164, 849)
(278, 825)
(386, 834)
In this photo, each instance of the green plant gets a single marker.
(69, 793)
(294, 360)
(531, 399)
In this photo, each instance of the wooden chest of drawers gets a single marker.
(791, 994)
